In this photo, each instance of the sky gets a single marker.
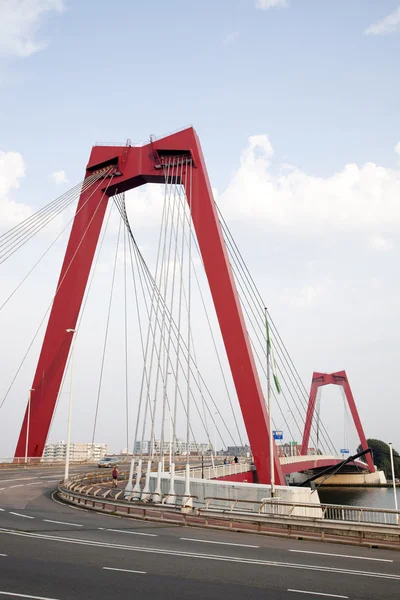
(296, 103)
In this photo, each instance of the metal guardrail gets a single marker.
(218, 470)
(331, 512)
(364, 534)
(268, 507)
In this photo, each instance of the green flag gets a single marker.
(270, 353)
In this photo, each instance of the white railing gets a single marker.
(331, 512)
(214, 472)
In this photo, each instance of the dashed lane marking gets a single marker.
(133, 532)
(19, 515)
(222, 543)
(62, 523)
(317, 594)
(343, 555)
(15, 595)
(124, 570)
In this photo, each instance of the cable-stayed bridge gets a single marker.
(173, 393)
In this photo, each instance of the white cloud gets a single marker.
(355, 198)
(377, 242)
(12, 169)
(59, 177)
(266, 4)
(231, 38)
(388, 24)
(20, 21)
(303, 298)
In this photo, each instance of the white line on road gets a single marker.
(2, 509)
(198, 555)
(1, 489)
(132, 532)
(15, 595)
(36, 483)
(3, 554)
(124, 570)
(52, 475)
(17, 479)
(343, 555)
(62, 523)
(19, 515)
(223, 543)
(14, 486)
(317, 594)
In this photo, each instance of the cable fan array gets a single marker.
(174, 397)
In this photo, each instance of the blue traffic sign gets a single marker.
(278, 435)
(344, 451)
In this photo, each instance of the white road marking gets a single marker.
(19, 515)
(343, 555)
(2, 509)
(317, 594)
(197, 555)
(17, 479)
(15, 595)
(223, 543)
(62, 523)
(36, 483)
(52, 475)
(3, 554)
(14, 486)
(132, 532)
(124, 570)
(1, 489)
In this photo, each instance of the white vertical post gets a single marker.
(28, 424)
(69, 409)
(393, 477)
(269, 398)
(170, 440)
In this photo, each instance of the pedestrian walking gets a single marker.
(115, 474)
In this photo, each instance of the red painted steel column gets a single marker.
(231, 320)
(64, 314)
(310, 415)
(357, 421)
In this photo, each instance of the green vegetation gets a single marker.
(381, 457)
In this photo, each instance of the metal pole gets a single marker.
(69, 410)
(393, 477)
(28, 424)
(269, 402)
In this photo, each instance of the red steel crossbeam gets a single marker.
(133, 167)
(339, 378)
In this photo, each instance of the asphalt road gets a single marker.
(51, 551)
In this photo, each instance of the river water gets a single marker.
(373, 497)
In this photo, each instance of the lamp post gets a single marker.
(170, 424)
(393, 477)
(28, 424)
(69, 410)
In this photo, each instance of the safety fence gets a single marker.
(90, 484)
(268, 520)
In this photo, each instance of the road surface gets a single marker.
(50, 551)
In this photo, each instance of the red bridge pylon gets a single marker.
(129, 167)
(339, 378)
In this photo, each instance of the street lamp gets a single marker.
(170, 423)
(69, 409)
(393, 478)
(28, 423)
